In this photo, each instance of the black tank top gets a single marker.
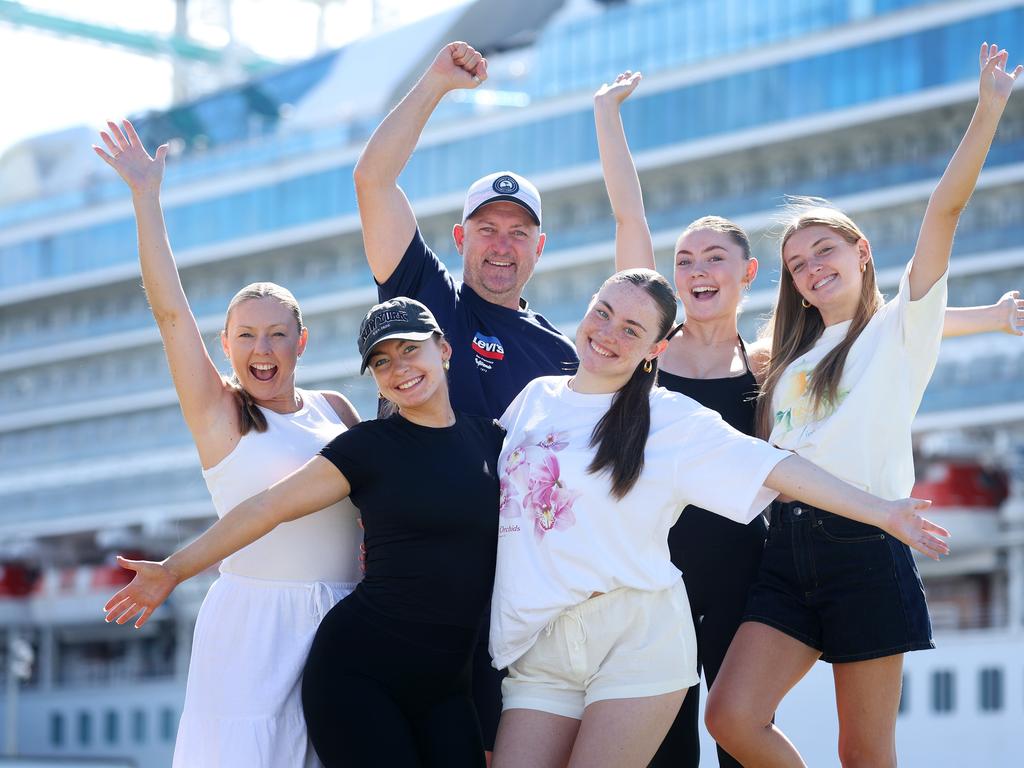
(733, 397)
(701, 542)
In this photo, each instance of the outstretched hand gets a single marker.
(619, 90)
(907, 525)
(995, 82)
(152, 584)
(1011, 312)
(459, 65)
(130, 159)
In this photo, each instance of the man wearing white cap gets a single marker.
(499, 344)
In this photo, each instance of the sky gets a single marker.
(48, 83)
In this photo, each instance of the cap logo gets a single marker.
(380, 319)
(505, 185)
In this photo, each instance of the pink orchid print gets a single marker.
(515, 459)
(556, 514)
(508, 504)
(544, 478)
(554, 441)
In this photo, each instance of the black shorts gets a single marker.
(845, 588)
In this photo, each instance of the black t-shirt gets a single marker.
(496, 351)
(429, 502)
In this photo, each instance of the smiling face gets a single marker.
(500, 245)
(410, 373)
(263, 341)
(623, 327)
(827, 269)
(711, 273)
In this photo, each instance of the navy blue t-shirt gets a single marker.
(496, 351)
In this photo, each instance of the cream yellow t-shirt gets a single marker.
(863, 437)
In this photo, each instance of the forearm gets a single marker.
(800, 479)
(964, 321)
(240, 527)
(961, 175)
(159, 272)
(395, 139)
(633, 246)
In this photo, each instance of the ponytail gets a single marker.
(250, 417)
(620, 437)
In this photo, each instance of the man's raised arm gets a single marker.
(387, 218)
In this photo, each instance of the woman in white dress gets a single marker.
(242, 703)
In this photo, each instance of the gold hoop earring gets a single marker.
(863, 268)
(445, 364)
(648, 366)
(805, 303)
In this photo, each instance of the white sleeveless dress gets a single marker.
(243, 703)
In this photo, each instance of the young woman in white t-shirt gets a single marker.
(588, 612)
(845, 378)
(242, 705)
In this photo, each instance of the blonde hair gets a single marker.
(250, 416)
(793, 329)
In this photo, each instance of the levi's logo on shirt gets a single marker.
(488, 350)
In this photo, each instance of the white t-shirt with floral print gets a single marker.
(561, 534)
(863, 437)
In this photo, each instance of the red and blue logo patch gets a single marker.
(488, 346)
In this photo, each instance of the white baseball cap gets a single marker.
(503, 185)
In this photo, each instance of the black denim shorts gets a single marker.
(845, 588)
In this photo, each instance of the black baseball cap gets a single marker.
(400, 318)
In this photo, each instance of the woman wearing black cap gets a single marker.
(387, 680)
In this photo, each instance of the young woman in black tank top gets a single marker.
(719, 558)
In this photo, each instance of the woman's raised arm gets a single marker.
(205, 398)
(633, 247)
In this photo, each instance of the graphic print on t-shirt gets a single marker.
(796, 410)
(532, 487)
(487, 350)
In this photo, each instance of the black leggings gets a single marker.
(379, 691)
(719, 560)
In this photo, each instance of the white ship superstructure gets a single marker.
(743, 101)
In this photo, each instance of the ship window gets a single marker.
(168, 724)
(84, 728)
(904, 696)
(943, 691)
(991, 689)
(56, 729)
(111, 726)
(139, 726)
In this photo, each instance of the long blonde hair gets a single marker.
(793, 329)
(249, 415)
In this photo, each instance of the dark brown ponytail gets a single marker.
(621, 435)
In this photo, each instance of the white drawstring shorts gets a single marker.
(624, 644)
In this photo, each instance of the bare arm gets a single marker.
(317, 484)
(633, 247)
(1006, 316)
(935, 241)
(205, 400)
(343, 407)
(800, 479)
(387, 218)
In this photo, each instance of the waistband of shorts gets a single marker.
(790, 512)
(253, 583)
(595, 604)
